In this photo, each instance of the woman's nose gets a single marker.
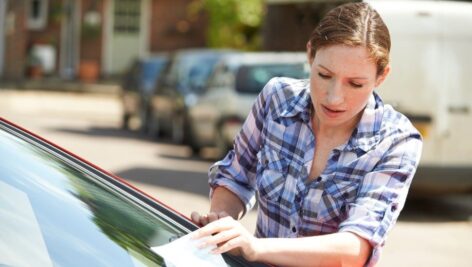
(335, 94)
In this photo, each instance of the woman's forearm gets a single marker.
(223, 200)
(339, 249)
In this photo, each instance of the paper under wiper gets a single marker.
(183, 252)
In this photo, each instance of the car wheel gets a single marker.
(144, 120)
(177, 134)
(125, 121)
(189, 138)
(222, 147)
(153, 129)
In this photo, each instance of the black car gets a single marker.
(59, 210)
(137, 87)
(184, 80)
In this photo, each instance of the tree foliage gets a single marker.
(232, 23)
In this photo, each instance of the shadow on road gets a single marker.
(192, 182)
(101, 132)
(438, 209)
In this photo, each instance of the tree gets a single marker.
(232, 23)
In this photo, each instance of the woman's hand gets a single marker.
(228, 234)
(203, 220)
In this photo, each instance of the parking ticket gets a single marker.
(184, 252)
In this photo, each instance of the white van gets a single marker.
(431, 83)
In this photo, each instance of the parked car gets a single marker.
(137, 87)
(181, 85)
(59, 210)
(217, 115)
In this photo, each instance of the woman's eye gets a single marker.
(356, 85)
(323, 76)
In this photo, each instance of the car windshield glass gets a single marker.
(194, 71)
(252, 78)
(56, 213)
(151, 71)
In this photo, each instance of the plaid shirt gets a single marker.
(362, 189)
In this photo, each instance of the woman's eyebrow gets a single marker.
(354, 78)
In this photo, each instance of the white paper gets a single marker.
(184, 252)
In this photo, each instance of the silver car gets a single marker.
(218, 115)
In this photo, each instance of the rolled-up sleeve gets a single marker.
(383, 191)
(237, 170)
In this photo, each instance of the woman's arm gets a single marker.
(224, 200)
(223, 203)
(338, 249)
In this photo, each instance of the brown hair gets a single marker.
(354, 24)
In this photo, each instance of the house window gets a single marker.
(37, 14)
(127, 16)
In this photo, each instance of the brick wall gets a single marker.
(91, 44)
(173, 28)
(15, 41)
(289, 26)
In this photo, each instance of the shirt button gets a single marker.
(294, 229)
(345, 195)
(318, 179)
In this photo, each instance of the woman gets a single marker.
(331, 164)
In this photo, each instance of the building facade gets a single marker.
(90, 39)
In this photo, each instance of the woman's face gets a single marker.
(341, 81)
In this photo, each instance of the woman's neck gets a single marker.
(342, 131)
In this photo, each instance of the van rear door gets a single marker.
(456, 39)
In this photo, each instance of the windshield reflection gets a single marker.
(81, 221)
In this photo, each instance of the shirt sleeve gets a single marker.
(237, 170)
(383, 192)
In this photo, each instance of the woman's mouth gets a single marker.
(332, 113)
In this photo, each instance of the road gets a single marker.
(430, 232)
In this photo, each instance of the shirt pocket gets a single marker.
(272, 171)
(327, 203)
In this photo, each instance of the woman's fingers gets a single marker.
(214, 227)
(220, 237)
(212, 216)
(195, 216)
(203, 220)
(230, 245)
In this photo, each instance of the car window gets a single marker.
(150, 73)
(56, 213)
(252, 78)
(194, 71)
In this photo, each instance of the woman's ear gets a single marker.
(381, 77)
(308, 53)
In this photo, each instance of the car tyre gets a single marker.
(177, 131)
(153, 128)
(222, 147)
(125, 121)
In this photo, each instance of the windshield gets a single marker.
(150, 73)
(252, 78)
(55, 213)
(194, 71)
